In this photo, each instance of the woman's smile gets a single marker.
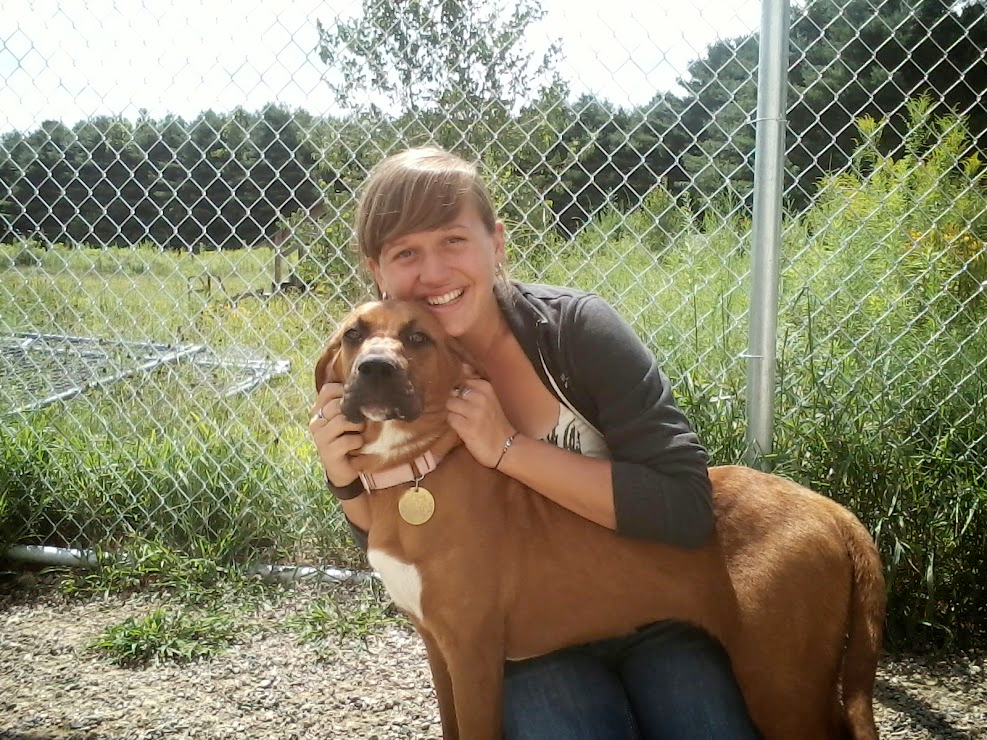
(445, 299)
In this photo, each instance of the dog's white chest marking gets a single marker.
(402, 581)
(388, 442)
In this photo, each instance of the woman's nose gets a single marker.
(434, 269)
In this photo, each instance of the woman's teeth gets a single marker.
(441, 300)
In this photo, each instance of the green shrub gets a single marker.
(164, 636)
(326, 622)
(881, 399)
(82, 490)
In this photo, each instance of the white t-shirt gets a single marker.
(575, 434)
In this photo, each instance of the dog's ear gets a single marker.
(327, 369)
(465, 357)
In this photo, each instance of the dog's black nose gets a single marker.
(376, 367)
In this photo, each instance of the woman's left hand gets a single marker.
(477, 417)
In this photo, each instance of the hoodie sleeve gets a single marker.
(661, 485)
(360, 537)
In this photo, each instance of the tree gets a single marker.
(420, 55)
(718, 117)
(613, 157)
(845, 56)
(222, 180)
(456, 73)
(847, 59)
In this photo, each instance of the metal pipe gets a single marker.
(72, 558)
(292, 573)
(45, 555)
(769, 154)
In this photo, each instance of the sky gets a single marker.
(72, 59)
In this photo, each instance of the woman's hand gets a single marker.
(478, 418)
(334, 436)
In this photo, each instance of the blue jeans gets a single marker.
(668, 681)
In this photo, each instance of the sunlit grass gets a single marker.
(166, 636)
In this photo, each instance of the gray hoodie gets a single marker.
(660, 482)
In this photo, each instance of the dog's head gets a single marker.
(396, 364)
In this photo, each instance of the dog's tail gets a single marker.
(864, 631)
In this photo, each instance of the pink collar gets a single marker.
(406, 473)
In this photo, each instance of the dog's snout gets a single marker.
(377, 366)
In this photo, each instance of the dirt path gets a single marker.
(269, 687)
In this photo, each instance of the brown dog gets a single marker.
(791, 584)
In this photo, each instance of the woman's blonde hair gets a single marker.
(417, 190)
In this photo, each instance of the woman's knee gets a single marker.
(569, 694)
(681, 685)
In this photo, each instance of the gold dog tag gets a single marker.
(416, 505)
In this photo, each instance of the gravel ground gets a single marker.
(269, 687)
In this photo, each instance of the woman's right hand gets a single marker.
(334, 436)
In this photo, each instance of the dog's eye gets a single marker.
(352, 336)
(418, 338)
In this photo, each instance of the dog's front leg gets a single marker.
(443, 685)
(475, 660)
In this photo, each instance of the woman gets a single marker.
(573, 406)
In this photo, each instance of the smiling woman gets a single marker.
(452, 269)
(544, 357)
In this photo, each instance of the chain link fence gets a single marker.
(186, 179)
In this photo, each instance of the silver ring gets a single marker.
(319, 415)
(464, 392)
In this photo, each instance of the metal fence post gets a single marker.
(768, 184)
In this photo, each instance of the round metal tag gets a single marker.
(416, 505)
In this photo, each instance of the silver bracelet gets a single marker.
(507, 445)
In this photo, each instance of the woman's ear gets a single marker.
(500, 240)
